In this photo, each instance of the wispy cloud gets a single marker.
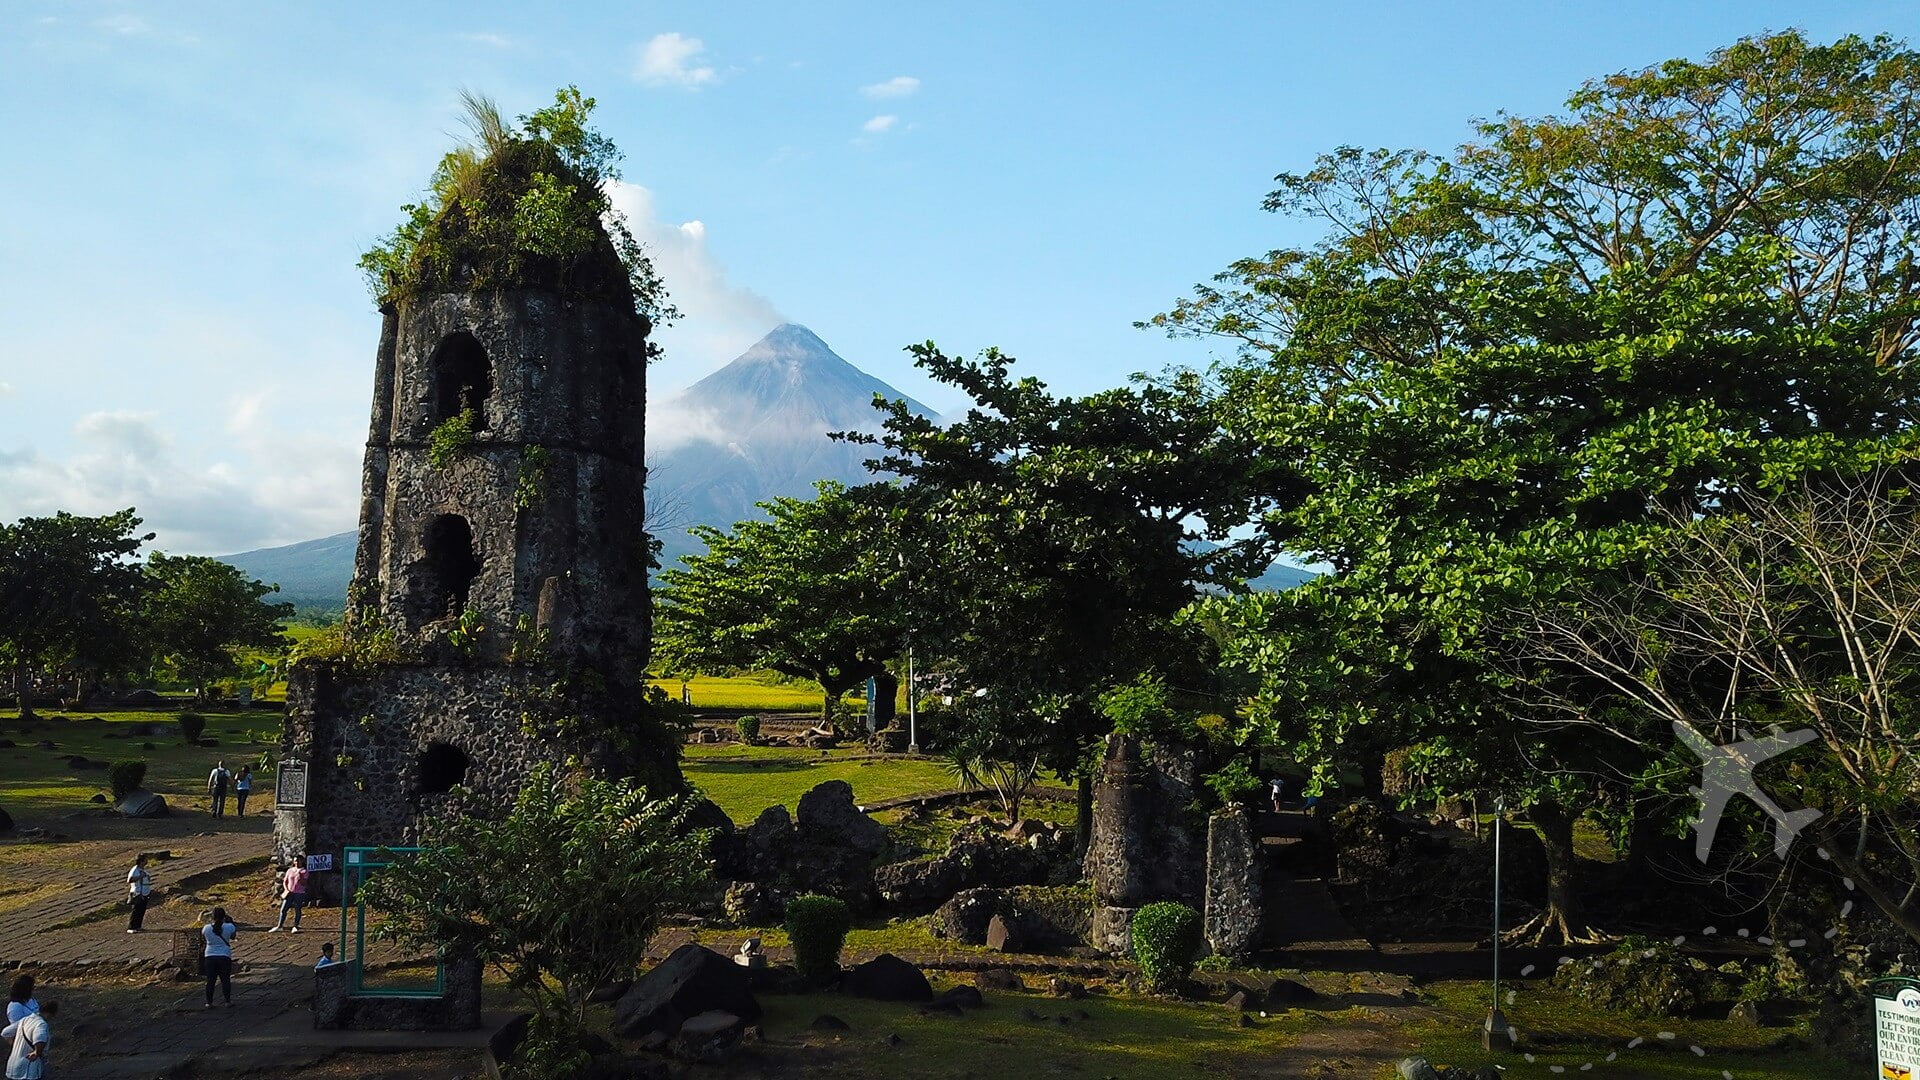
(720, 318)
(129, 25)
(880, 125)
(897, 87)
(496, 41)
(674, 59)
(6, 388)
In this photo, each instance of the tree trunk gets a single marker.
(1560, 923)
(23, 687)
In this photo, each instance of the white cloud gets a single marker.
(719, 319)
(897, 87)
(134, 26)
(6, 388)
(673, 59)
(879, 125)
(286, 487)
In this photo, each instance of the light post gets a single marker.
(1496, 1034)
(913, 705)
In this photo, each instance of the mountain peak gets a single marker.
(792, 347)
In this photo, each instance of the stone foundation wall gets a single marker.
(363, 736)
(1233, 903)
(458, 1009)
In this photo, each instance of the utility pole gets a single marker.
(1496, 1034)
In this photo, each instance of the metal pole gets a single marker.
(1496, 1034)
(913, 709)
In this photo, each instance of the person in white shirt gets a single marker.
(217, 781)
(139, 888)
(30, 1035)
(216, 961)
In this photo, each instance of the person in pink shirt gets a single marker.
(293, 889)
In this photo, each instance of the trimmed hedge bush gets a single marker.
(1166, 941)
(124, 777)
(817, 926)
(191, 725)
(747, 727)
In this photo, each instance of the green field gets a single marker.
(745, 780)
(36, 781)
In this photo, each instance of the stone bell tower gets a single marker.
(498, 615)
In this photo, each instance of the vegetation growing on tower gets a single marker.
(522, 204)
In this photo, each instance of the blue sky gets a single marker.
(188, 185)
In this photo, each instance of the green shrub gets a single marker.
(451, 439)
(124, 777)
(191, 725)
(1234, 782)
(817, 926)
(747, 727)
(1166, 940)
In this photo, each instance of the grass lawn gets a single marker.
(1565, 1035)
(749, 692)
(36, 781)
(745, 780)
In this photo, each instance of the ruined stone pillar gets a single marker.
(1233, 903)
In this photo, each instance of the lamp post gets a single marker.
(913, 706)
(1496, 1034)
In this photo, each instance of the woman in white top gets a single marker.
(139, 887)
(216, 962)
(20, 1000)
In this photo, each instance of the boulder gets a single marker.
(98, 798)
(1241, 1001)
(998, 979)
(1062, 987)
(692, 981)
(771, 829)
(827, 1022)
(505, 1041)
(6, 821)
(1002, 937)
(1746, 1013)
(919, 885)
(706, 814)
(965, 997)
(140, 803)
(1282, 993)
(887, 978)
(828, 816)
(1416, 1068)
(708, 1037)
(749, 903)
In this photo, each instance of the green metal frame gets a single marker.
(358, 863)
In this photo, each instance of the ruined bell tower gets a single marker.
(498, 615)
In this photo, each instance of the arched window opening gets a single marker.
(462, 379)
(448, 568)
(439, 767)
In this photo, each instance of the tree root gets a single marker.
(1550, 928)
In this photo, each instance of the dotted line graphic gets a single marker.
(1669, 1037)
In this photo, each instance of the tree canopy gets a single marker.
(68, 588)
(1500, 367)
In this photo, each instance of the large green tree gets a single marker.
(814, 590)
(197, 610)
(1057, 536)
(1503, 369)
(68, 588)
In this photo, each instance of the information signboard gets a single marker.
(1896, 1028)
(290, 786)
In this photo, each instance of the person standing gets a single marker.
(293, 895)
(20, 1000)
(1278, 789)
(242, 787)
(139, 887)
(216, 961)
(30, 1034)
(217, 782)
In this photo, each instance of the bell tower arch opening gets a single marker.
(439, 768)
(448, 565)
(462, 379)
